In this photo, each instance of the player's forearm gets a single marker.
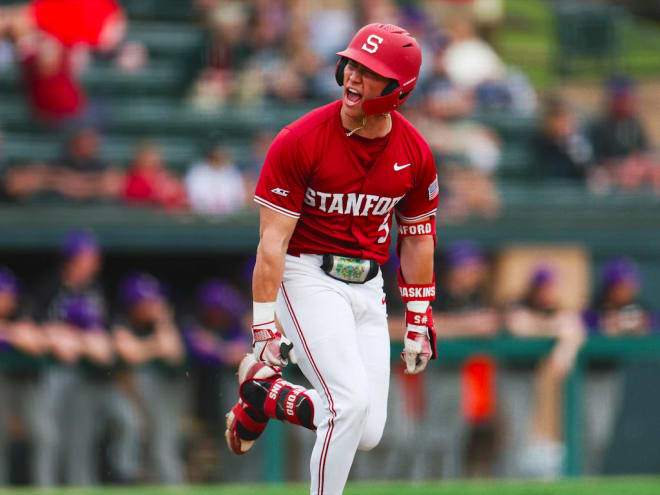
(417, 259)
(274, 235)
(268, 270)
(97, 346)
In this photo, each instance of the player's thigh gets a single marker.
(372, 331)
(319, 321)
(373, 338)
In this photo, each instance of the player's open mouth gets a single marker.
(352, 96)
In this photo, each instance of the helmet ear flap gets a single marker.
(391, 86)
(339, 70)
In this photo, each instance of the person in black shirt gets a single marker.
(22, 347)
(623, 152)
(152, 355)
(562, 150)
(461, 308)
(618, 309)
(80, 174)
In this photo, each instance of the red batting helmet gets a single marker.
(390, 52)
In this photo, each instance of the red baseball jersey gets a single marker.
(342, 196)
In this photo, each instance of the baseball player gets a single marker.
(152, 354)
(329, 188)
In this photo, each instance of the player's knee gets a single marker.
(370, 439)
(372, 433)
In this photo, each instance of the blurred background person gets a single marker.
(467, 151)
(148, 182)
(618, 308)
(80, 173)
(216, 339)
(22, 348)
(225, 49)
(462, 309)
(562, 149)
(623, 152)
(4, 193)
(252, 160)
(20, 182)
(97, 402)
(215, 186)
(469, 60)
(77, 275)
(152, 354)
(52, 38)
(538, 313)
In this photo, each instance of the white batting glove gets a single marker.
(419, 342)
(270, 346)
(416, 351)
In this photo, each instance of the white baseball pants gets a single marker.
(340, 335)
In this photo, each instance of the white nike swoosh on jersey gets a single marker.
(397, 167)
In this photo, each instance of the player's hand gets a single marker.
(416, 351)
(270, 346)
(419, 342)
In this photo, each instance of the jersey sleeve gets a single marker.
(282, 182)
(422, 200)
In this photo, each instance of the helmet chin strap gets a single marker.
(364, 123)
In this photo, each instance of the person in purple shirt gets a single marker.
(97, 400)
(151, 355)
(618, 308)
(216, 340)
(216, 336)
(77, 273)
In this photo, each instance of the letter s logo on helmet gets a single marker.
(372, 43)
(389, 51)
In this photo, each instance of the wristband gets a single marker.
(262, 312)
(416, 292)
(417, 306)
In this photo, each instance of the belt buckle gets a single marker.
(347, 269)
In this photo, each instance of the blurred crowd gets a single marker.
(258, 53)
(131, 387)
(613, 151)
(128, 384)
(84, 372)
(509, 425)
(214, 185)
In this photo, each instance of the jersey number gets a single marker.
(385, 226)
(372, 43)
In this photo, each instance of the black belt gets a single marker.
(349, 270)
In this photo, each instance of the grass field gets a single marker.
(600, 486)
